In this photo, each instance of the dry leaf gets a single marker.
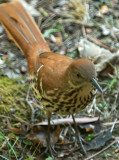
(100, 56)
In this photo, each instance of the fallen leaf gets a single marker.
(100, 56)
(99, 141)
(39, 134)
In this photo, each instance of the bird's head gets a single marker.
(82, 72)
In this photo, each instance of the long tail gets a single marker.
(22, 29)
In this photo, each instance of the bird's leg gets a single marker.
(48, 138)
(78, 136)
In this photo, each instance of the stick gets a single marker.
(101, 150)
(98, 42)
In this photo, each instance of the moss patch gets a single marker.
(12, 98)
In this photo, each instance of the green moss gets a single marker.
(13, 96)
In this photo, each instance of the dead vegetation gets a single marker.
(76, 29)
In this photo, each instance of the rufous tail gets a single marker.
(22, 29)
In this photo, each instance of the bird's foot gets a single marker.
(80, 141)
(78, 136)
(51, 151)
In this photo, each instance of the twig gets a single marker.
(30, 104)
(74, 150)
(101, 150)
(98, 42)
(109, 123)
(36, 149)
(70, 121)
(2, 116)
(21, 120)
(16, 118)
(91, 106)
(113, 125)
(83, 31)
(71, 37)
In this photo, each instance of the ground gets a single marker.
(75, 30)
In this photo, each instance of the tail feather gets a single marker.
(22, 29)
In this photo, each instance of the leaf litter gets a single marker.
(83, 30)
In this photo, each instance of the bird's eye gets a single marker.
(78, 75)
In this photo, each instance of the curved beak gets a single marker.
(96, 84)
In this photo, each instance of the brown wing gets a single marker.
(51, 68)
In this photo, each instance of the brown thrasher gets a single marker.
(61, 85)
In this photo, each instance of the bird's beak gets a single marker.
(96, 84)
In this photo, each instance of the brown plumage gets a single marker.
(61, 85)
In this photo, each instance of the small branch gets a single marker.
(113, 125)
(29, 102)
(6, 117)
(83, 31)
(70, 121)
(99, 43)
(101, 150)
(109, 123)
(21, 120)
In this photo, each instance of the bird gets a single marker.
(60, 84)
